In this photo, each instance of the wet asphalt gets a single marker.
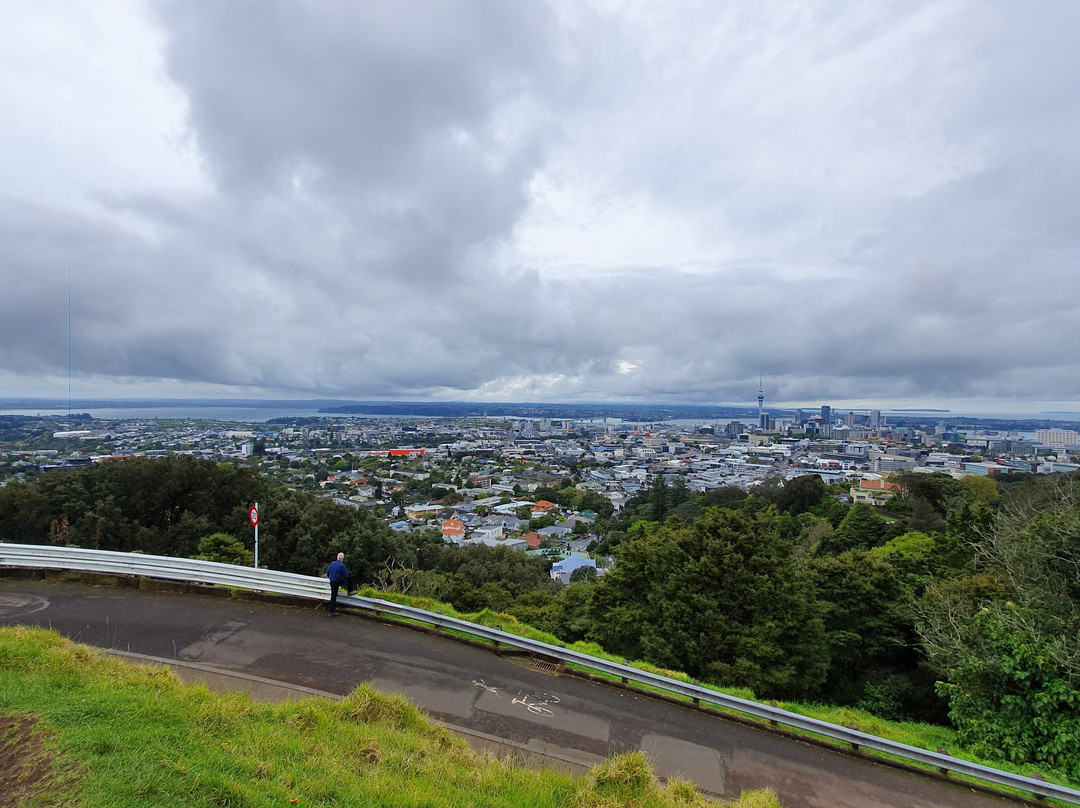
(505, 703)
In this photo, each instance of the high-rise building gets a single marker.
(799, 417)
(826, 413)
(849, 419)
(875, 419)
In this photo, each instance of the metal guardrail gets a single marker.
(305, 586)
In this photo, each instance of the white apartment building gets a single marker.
(1057, 438)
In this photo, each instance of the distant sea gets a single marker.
(179, 413)
(180, 410)
(261, 414)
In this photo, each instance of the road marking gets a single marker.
(18, 605)
(480, 683)
(537, 705)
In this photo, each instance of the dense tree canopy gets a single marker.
(721, 599)
(861, 529)
(166, 506)
(1006, 633)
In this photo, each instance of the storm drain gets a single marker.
(545, 666)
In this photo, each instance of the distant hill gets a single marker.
(463, 409)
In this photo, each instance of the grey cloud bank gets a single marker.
(543, 201)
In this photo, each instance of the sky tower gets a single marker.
(760, 405)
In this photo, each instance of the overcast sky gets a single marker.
(871, 203)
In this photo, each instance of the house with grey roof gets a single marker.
(562, 570)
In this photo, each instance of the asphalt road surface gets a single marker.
(560, 717)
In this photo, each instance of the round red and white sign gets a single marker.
(253, 515)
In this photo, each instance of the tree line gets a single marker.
(958, 602)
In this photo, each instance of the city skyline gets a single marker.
(867, 206)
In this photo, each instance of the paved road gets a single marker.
(567, 718)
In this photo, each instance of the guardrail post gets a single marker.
(1038, 797)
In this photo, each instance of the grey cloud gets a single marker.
(528, 200)
(400, 117)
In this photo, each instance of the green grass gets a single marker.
(117, 734)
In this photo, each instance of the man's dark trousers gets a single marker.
(348, 583)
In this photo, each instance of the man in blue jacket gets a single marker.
(339, 577)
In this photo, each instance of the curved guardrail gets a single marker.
(305, 586)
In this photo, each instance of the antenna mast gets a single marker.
(69, 343)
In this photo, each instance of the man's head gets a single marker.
(340, 556)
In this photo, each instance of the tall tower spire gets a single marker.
(760, 405)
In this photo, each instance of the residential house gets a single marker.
(453, 530)
(421, 512)
(514, 544)
(542, 507)
(875, 492)
(562, 570)
(559, 531)
(533, 540)
(494, 532)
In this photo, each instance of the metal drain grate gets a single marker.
(545, 666)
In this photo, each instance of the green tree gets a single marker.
(480, 564)
(869, 624)
(831, 509)
(680, 493)
(597, 503)
(25, 513)
(1003, 636)
(860, 529)
(911, 556)
(659, 498)
(720, 497)
(583, 574)
(800, 494)
(936, 490)
(722, 599)
(225, 549)
(540, 522)
(1010, 697)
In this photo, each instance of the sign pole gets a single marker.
(253, 515)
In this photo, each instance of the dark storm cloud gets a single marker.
(402, 119)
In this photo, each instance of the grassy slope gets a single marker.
(117, 734)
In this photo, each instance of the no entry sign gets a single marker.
(253, 515)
